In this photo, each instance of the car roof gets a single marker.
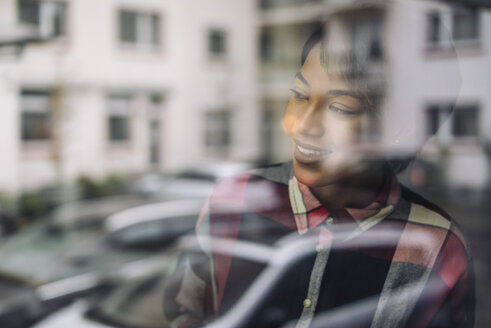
(87, 209)
(150, 212)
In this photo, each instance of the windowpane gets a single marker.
(119, 118)
(366, 38)
(127, 26)
(217, 43)
(465, 25)
(50, 16)
(139, 29)
(266, 46)
(35, 126)
(217, 134)
(58, 18)
(29, 11)
(434, 23)
(118, 128)
(35, 115)
(432, 120)
(465, 122)
(268, 4)
(155, 21)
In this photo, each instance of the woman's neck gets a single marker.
(357, 191)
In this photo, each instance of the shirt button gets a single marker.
(307, 303)
(319, 248)
(329, 221)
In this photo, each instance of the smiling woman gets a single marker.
(328, 120)
(382, 257)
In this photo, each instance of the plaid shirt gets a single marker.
(417, 276)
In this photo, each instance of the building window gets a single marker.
(154, 113)
(434, 28)
(139, 30)
(119, 118)
(271, 4)
(217, 131)
(217, 43)
(465, 25)
(459, 25)
(49, 16)
(36, 124)
(366, 38)
(433, 120)
(464, 123)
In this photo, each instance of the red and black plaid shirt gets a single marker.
(401, 255)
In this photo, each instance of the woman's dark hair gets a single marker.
(354, 68)
(313, 39)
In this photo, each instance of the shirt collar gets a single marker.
(309, 212)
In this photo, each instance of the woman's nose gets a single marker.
(311, 123)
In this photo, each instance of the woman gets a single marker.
(338, 184)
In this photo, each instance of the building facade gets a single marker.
(126, 86)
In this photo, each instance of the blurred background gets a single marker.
(111, 104)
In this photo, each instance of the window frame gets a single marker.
(446, 120)
(43, 113)
(46, 13)
(474, 121)
(223, 43)
(223, 133)
(115, 114)
(144, 21)
(443, 36)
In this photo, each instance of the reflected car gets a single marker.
(140, 302)
(135, 303)
(192, 182)
(50, 264)
(259, 305)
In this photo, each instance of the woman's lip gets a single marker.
(311, 147)
(308, 154)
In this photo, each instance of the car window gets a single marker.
(196, 176)
(155, 233)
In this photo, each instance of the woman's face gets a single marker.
(325, 122)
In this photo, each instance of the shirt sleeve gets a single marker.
(455, 268)
(189, 296)
(449, 296)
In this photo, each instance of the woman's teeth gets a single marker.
(311, 152)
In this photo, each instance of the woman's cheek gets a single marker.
(288, 121)
(346, 132)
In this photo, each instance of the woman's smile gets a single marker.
(309, 154)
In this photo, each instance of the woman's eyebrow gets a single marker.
(301, 78)
(341, 92)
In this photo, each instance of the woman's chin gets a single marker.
(312, 176)
(315, 176)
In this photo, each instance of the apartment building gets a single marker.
(122, 86)
(433, 56)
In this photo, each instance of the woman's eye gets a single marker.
(298, 95)
(344, 110)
